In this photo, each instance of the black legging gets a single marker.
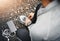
(23, 34)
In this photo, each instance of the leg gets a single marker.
(23, 34)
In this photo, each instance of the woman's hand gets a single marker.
(30, 16)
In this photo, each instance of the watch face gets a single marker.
(24, 20)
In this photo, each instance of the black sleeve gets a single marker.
(35, 15)
(37, 8)
(58, 1)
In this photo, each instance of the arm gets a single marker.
(34, 19)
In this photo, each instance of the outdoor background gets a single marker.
(11, 9)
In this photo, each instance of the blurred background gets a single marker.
(11, 9)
